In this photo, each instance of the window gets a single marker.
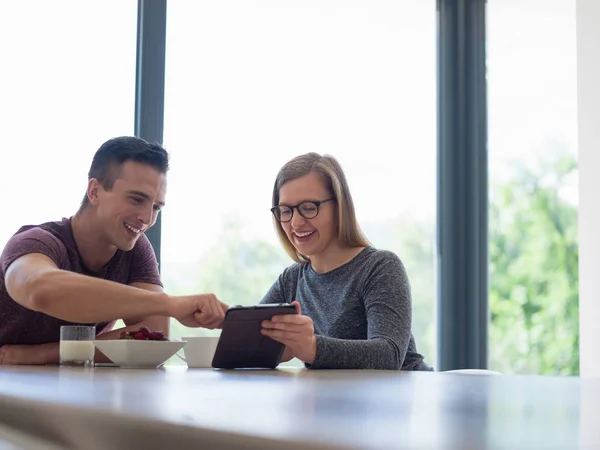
(533, 186)
(250, 85)
(67, 85)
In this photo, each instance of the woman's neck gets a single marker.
(333, 258)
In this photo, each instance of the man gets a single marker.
(97, 266)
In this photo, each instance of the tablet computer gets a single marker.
(241, 345)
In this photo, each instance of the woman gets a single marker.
(353, 301)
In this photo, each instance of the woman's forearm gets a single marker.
(333, 353)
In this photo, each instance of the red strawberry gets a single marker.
(139, 336)
(156, 336)
(145, 331)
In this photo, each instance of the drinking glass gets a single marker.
(77, 346)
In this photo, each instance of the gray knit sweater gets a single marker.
(361, 312)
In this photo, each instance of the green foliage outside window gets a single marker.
(534, 283)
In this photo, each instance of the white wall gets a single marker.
(588, 55)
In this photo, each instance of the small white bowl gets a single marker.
(134, 354)
(199, 351)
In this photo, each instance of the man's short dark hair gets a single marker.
(109, 158)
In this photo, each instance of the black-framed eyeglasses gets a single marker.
(308, 210)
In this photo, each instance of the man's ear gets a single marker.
(92, 191)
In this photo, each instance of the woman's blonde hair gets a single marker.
(330, 171)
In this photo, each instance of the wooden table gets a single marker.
(109, 408)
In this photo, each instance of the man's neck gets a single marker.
(92, 247)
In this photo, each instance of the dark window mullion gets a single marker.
(150, 83)
(462, 189)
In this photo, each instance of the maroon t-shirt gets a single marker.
(19, 325)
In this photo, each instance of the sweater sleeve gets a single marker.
(283, 289)
(388, 309)
(274, 294)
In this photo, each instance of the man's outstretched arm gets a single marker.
(38, 284)
(34, 281)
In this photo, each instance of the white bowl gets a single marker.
(200, 350)
(130, 353)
